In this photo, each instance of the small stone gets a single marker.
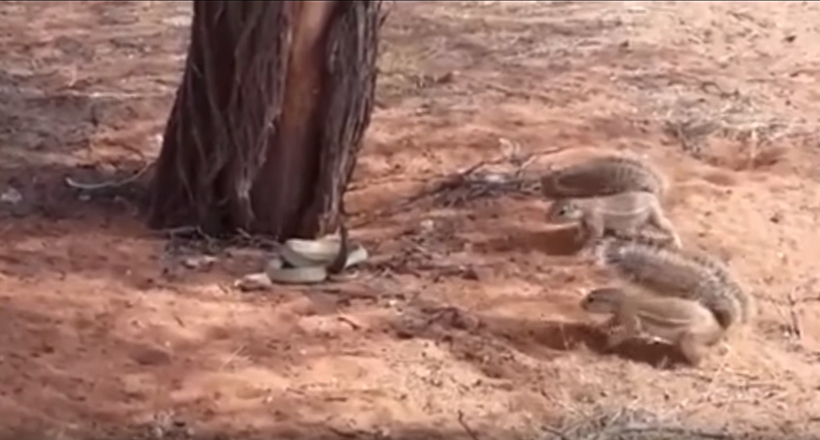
(427, 225)
(468, 273)
(106, 168)
(254, 281)
(199, 261)
(446, 78)
(147, 355)
(494, 178)
(11, 196)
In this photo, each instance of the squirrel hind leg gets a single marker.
(662, 222)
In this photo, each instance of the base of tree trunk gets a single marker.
(269, 117)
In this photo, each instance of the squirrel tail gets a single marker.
(671, 272)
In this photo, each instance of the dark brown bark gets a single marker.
(269, 117)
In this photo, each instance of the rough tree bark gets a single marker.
(268, 120)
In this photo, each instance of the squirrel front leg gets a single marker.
(692, 348)
(592, 225)
(629, 326)
(695, 342)
(659, 219)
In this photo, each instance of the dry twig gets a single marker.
(464, 425)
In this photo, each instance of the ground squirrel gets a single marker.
(677, 273)
(686, 324)
(623, 213)
(603, 176)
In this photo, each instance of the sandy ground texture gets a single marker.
(465, 324)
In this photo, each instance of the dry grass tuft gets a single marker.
(694, 115)
(629, 424)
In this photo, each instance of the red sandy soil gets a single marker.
(465, 308)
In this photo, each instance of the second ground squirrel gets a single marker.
(603, 176)
(624, 213)
(677, 273)
(686, 324)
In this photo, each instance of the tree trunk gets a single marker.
(269, 117)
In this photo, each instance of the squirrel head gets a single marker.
(602, 300)
(564, 211)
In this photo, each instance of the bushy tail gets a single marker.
(672, 272)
